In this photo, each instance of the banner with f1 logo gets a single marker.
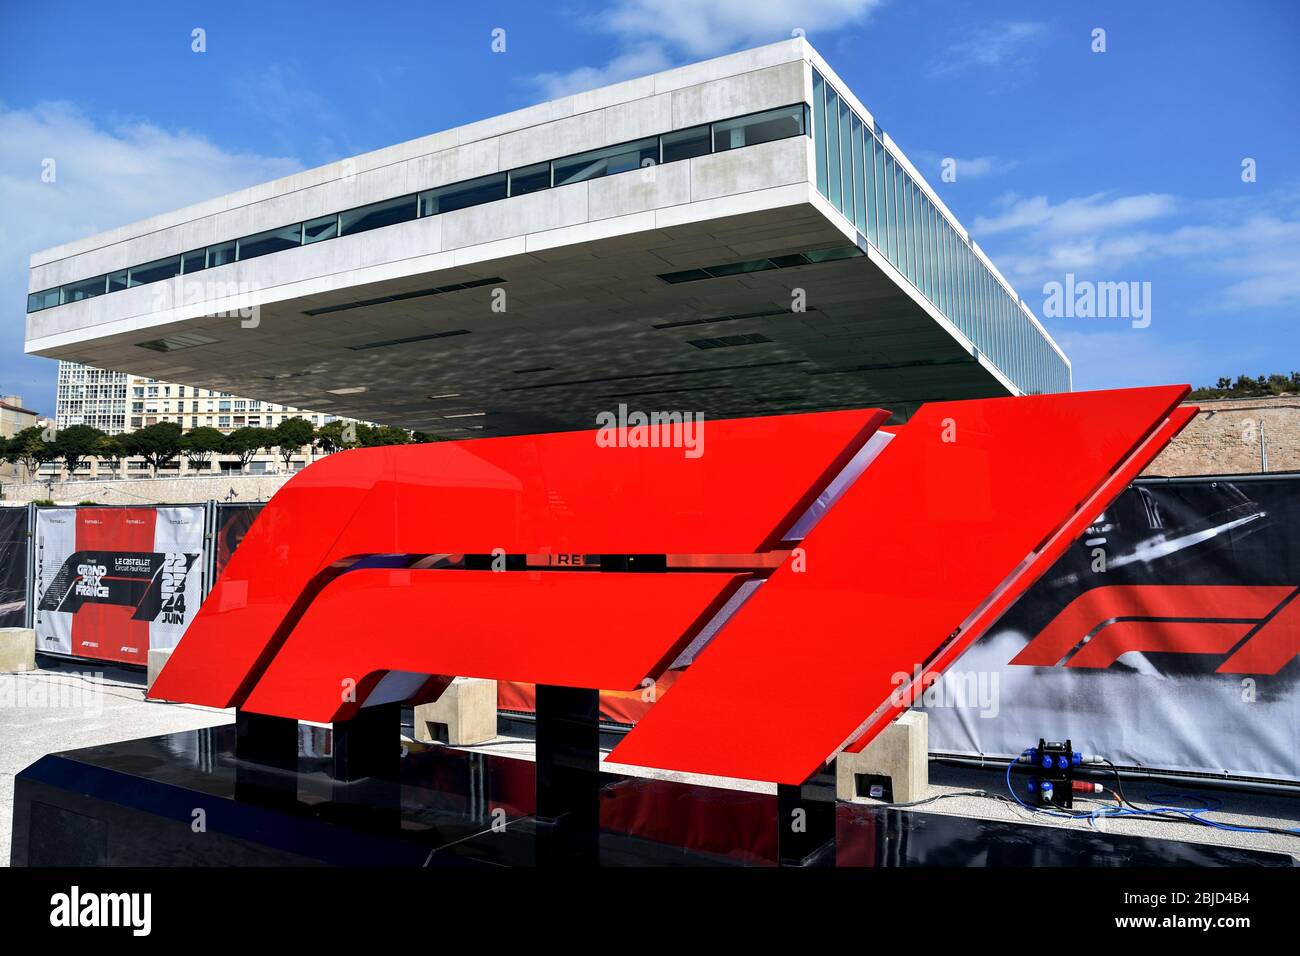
(113, 582)
(1165, 637)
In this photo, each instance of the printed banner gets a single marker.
(13, 567)
(233, 522)
(1165, 638)
(113, 582)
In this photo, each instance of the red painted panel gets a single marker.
(907, 556)
(574, 629)
(529, 494)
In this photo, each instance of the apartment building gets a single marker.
(119, 402)
(14, 416)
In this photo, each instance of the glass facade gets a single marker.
(685, 144)
(475, 192)
(221, 253)
(759, 128)
(530, 179)
(274, 240)
(857, 172)
(607, 161)
(324, 227)
(670, 147)
(153, 271)
(76, 291)
(377, 215)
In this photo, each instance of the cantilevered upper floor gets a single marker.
(736, 237)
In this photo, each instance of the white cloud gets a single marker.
(1251, 244)
(701, 29)
(652, 35)
(639, 62)
(105, 175)
(1207, 259)
(999, 45)
(1074, 217)
(1261, 257)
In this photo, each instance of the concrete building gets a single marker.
(90, 396)
(119, 402)
(14, 416)
(735, 237)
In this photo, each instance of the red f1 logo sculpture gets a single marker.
(955, 515)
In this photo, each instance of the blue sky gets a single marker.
(1115, 166)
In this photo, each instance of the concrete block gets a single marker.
(778, 163)
(641, 117)
(17, 649)
(467, 709)
(574, 134)
(535, 212)
(639, 190)
(762, 89)
(900, 752)
(158, 658)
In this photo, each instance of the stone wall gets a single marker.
(142, 491)
(1227, 436)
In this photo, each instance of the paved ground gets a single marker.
(961, 786)
(67, 706)
(63, 706)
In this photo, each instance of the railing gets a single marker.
(862, 178)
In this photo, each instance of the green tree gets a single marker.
(157, 444)
(244, 443)
(370, 436)
(336, 436)
(110, 449)
(30, 448)
(74, 443)
(1243, 386)
(423, 438)
(290, 435)
(200, 444)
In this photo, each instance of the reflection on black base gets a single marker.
(568, 775)
(882, 836)
(187, 799)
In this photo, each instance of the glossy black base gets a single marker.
(188, 799)
(881, 836)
